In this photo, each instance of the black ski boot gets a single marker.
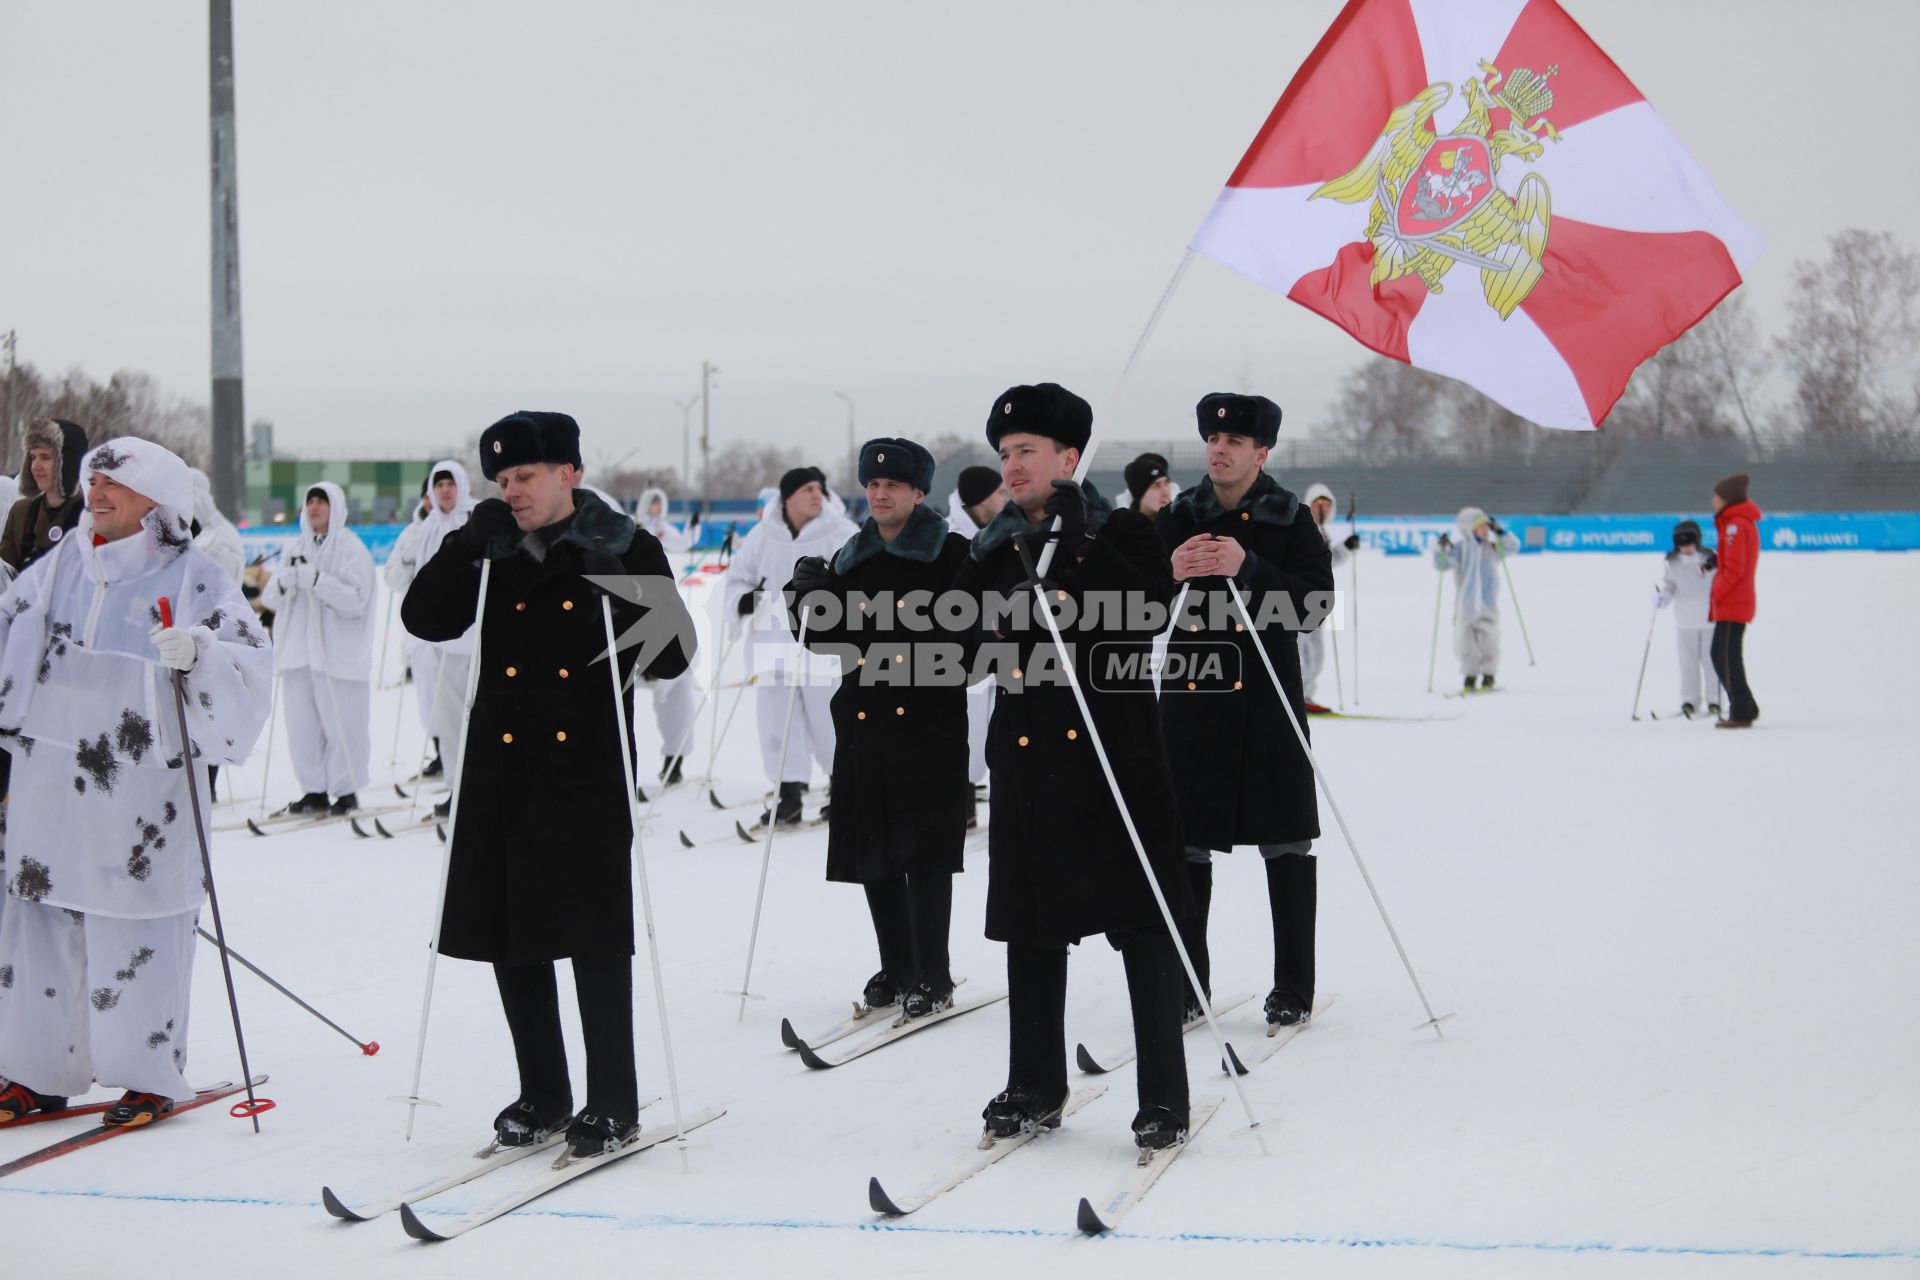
(670, 771)
(1713, 709)
(1285, 1009)
(16, 1100)
(312, 802)
(137, 1109)
(528, 1124)
(1470, 684)
(882, 992)
(1486, 681)
(1687, 709)
(593, 1135)
(436, 768)
(1157, 1128)
(444, 809)
(928, 997)
(786, 810)
(1019, 1111)
(345, 805)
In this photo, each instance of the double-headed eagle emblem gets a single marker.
(1437, 199)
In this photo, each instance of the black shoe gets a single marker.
(786, 811)
(1190, 1010)
(435, 769)
(1469, 684)
(345, 805)
(137, 1109)
(17, 1100)
(1285, 1009)
(670, 771)
(444, 809)
(593, 1135)
(1157, 1128)
(528, 1124)
(1019, 1111)
(928, 997)
(1713, 709)
(312, 802)
(973, 812)
(1486, 681)
(1687, 709)
(882, 992)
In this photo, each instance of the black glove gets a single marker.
(810, 574)
(1352, 543)
(1445, 540)
(747, 603)
(1068, 504)
(487, 519)
(1708, 561)
(1494, 525)
(693, 521)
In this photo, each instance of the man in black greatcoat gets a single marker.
(900, 789)
(1060, 863)
(1242, 776)
(541, 865)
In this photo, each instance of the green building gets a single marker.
(379, 491)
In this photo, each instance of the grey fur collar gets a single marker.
(1012, 520)
(592, 519)
(924, 534)
(1267, 500)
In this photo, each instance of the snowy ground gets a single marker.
(1683, 964)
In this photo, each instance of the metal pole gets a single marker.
(1353, 562)
(707, 370)
(773, 816)
(1645, 652)
(1501, 555)
(686, 437)
(1433, 654)
(226, 463)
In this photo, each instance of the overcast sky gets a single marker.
(452, 210)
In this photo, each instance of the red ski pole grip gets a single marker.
(166, 612)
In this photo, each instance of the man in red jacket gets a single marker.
(1737, 521)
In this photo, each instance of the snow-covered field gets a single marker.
(1683, 963)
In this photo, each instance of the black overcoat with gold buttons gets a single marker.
(542, 851)
(1240, 772)
(1060, 864)
(900, 785)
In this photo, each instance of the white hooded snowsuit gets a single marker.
(1688, 587)
(674, 701)
(439, 669)
(103, 863)
(1313, 644)
(1476, 596)
(322, 598)
(217, 536)
(764, 562)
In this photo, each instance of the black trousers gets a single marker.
(531, 998)
(1730, 665)
(1293, 896)
(1037, 1019)
(912, 918)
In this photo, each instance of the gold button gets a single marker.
(1023, 739)
(899, 657)
(1072, 734)
(861, 663)
(512, 672)
(899, 711)
(563, 673)
(560, 736)
(1191, 686)
(1061, 596)
(1246, 515)
(862, 715)
(1238, 627)
(863, 604)
(1017, 673)
(1236, 684)
(520, 606)
(898, 603)
(566, 604)
(1193, 626)
(506, 737)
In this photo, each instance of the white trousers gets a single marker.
(440, 687)
(1696, 665)
(85, 998)
(1313, 657)
(326, 731)
(1476, 642)
(979, 717)
(812, 731)
(674, 704)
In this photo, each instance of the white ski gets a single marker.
(1100, 1065)
(861, 1018)
(564, 1173)
(1138, 1180)
(486, 1160)
(990, 1150)
(1277, 1038)
(897, 1029)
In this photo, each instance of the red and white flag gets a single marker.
(1473, 187)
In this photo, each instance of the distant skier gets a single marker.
(1736, 520)
(439, 670)
(1688, 587)
(900, 789)
(1475, 561)
(1313, 644)
(674, 700)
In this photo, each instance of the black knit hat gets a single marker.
(892, 458)
(529, 436)
(798, 478)
(1141, 473)
(1255, 417)
(1044, 409)
(976, 485)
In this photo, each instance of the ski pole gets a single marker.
(266, 769)
(1501, 556)
(639, 852)
(1353, 563)
(386, 638)
(368, 1047)
(1339, 818)
(413, 1098)
(253, 1106)
(1433, 654)
(1637, 685)
(1339, 685)
(773, 822)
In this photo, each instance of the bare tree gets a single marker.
(1855, 327)
(1700, 384)
(127, 404)
(1386, 402)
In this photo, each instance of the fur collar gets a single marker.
(924, 534)
(1012, 520)
(592, 519)
(1269, 503)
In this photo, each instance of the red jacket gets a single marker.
(1739, 556)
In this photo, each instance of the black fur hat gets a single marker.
(1255, 417)
(1044, 409)
(529, 436)
(892, 458)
